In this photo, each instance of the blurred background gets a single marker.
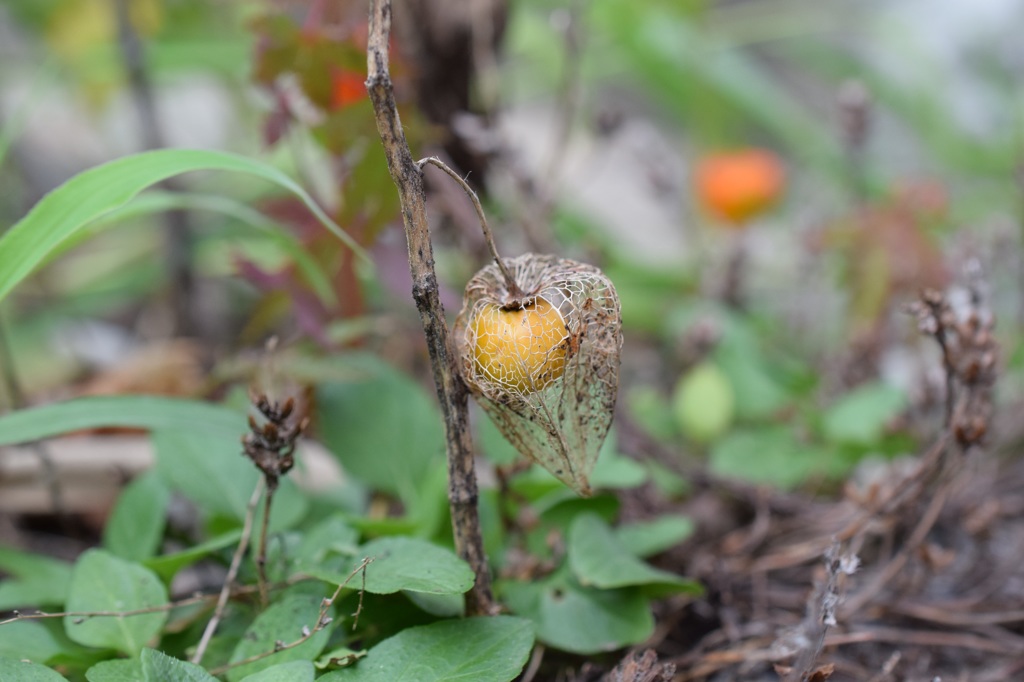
(767, 182)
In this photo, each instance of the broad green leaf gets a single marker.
(136, 526)
(28, 640)
(771, 455)
(860, 416)
(143, 412)
(757, 393)
(98, 191)
(159, 667)
(281, 622)
(36, 580)
(646, 538)
(401, 563)
(167, 565)
(493, 649)
(440, 605)
(581, 620)
(598, 559)
(21, 671)
(386, 430)
(293, 671)
(415, 566)
(616, 471)
(332, 535)
(211, 471)
(103, 582)
(116, 671)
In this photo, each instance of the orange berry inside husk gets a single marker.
(521, 351)
(737, 186)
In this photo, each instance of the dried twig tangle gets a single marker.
(451, 392)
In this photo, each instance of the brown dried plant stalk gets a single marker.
(451, 392)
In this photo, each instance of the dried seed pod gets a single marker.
(544, 365)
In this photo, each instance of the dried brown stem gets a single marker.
(83, 615)
(261, 555)
(451, 391)
(236, 561)
(514, 291)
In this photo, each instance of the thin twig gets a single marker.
(236, 561)
(261, 556)
(169, 606)
(514, 291)
(451, 391)
(322, 621)
(83, 615)
(534, 666)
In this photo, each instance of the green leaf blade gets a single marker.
(96, 192)
(485, 649)
(159, 667)
(23, 671)
(283, 621)
(136, 525)
(102, 582)
(142, 412)
(598, 559)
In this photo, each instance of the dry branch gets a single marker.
(451, 392)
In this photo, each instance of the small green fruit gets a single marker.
(704, 403)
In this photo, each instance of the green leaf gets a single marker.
(136, 525)
(756, 391)
(116, 671)
(485, 649)
(332, 535)
(598, 559)
(440, 605)
(293, 671)
(167, 565)
(159, 667)
(37, 580)
(647, 538)
(616, 471)
(401, 563)
(101, 581)
(386, 430)
(581, 620)
(770, 455)
(141, 412)
(211, 471)
(98, 191)
(21, 671)
(281, 622)
(860, 416)
(28, 640)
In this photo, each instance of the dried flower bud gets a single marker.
(545, 367)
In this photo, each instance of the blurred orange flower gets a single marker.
(736, 186)
(348, 87)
